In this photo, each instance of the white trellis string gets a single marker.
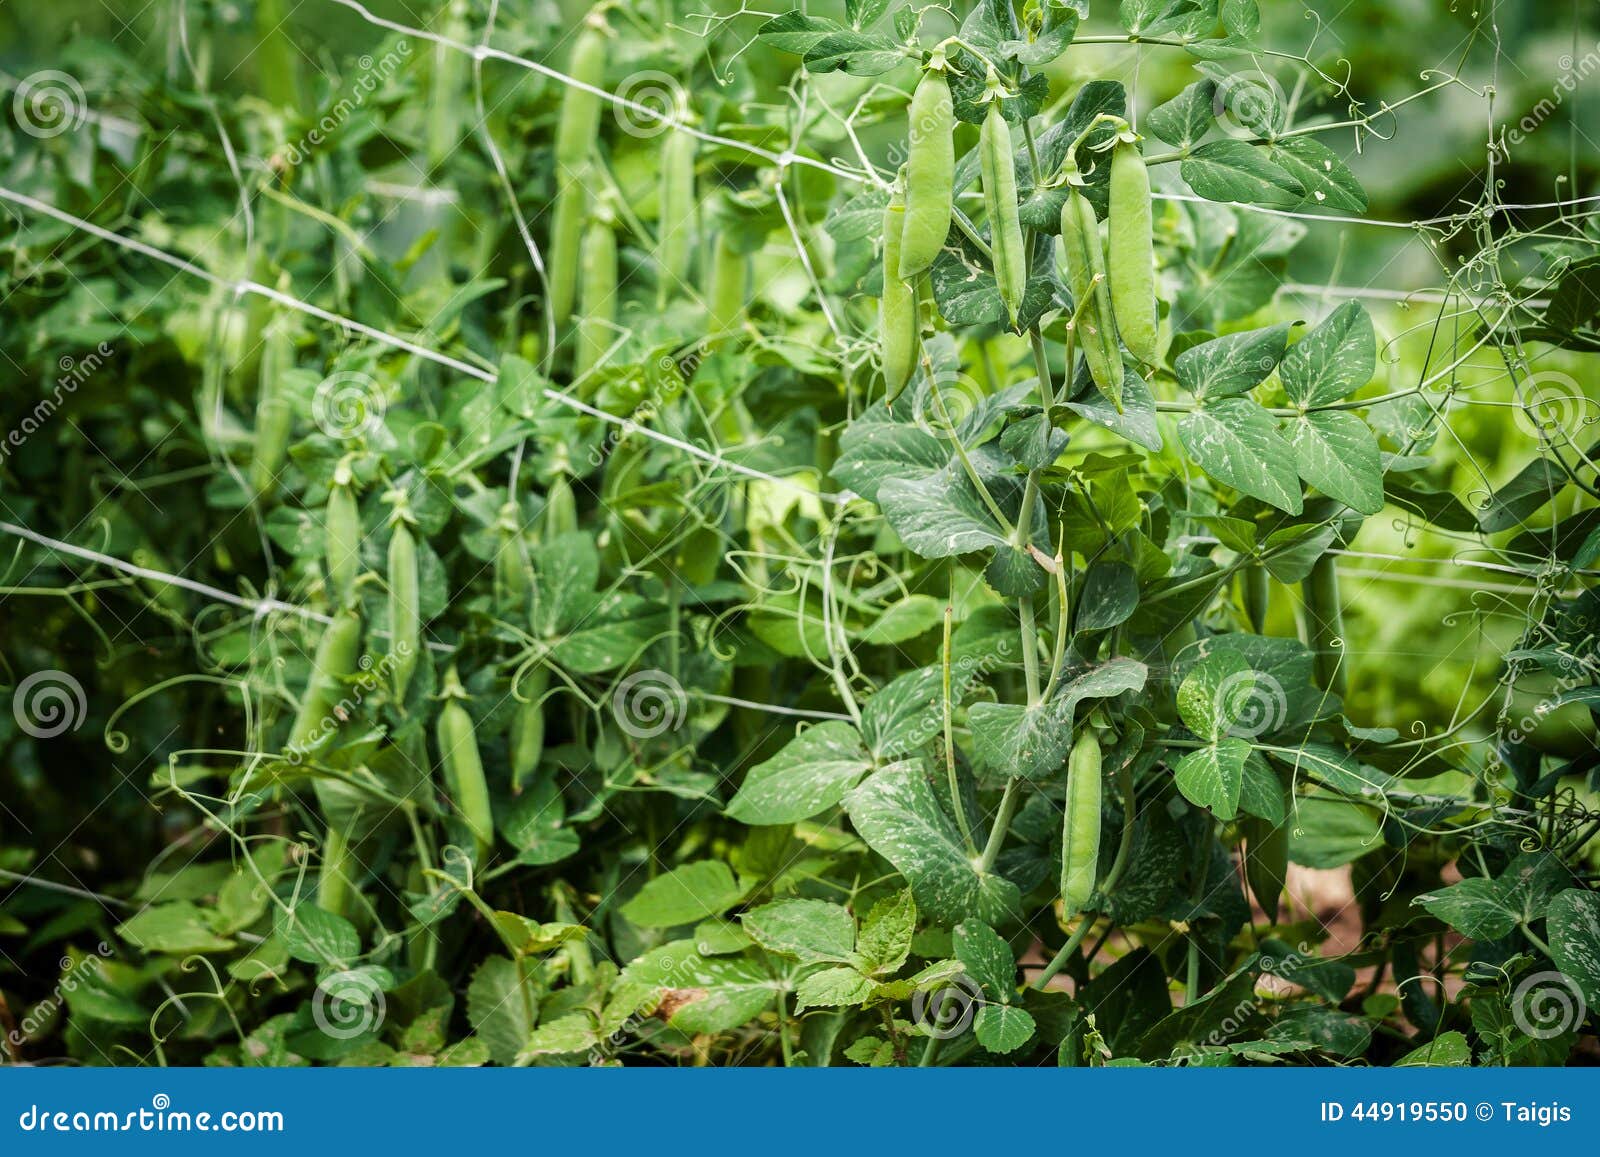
(289, 301)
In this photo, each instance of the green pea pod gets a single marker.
(1130, 256)
(1096, 329)
(560, 508)
(579, 126)
(1322, 623)
(675, 223)
(512, 575)
(930, 174)
(405, 620)
(897, 308)
(463, 767)
(335, 661)
(274, 415)
(566, 237)
(729, 271)
(1266, 861)
(527, 729)
(342, 540)
(1080, 828)
(336, 888)
(999, 175)
(597, 298)
(1256, 594)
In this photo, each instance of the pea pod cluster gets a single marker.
(897, 307)
(1095, 327)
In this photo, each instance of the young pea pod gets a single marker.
(1086, 277)
(729, 273)
(335, 661)
(999, 176)
(1266, 861)
(560, 508)
(1256, 594)
(597, 298)
(340, 869)
(405, 620)
(566, 236)
(463, 766)
(342, 537)
(274, 415)
(512, 574)
(675, 223)
(1080, 829)
(897, 308)
(930, 174)
(1130, 257)
(579, 126)
(1322, 623)
(527, 729)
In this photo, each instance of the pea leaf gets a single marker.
(1185, 119)
(811, 774)
(1214, 693)
(904, 715)
(1003, 1028)
(832, 988)
(987, 958)
(1327, 181)
(1572, 924)
(1237, 442)
(685, 895)
(884, 941)
(898, 815)
(710, 993)
(810, 930)
(1213, 776)
(1337, 453)
(179, 928)
(856, 53)
(797, 32)
(1016, 739)
(1333, 360)
(1234, 364)
(1235, 171)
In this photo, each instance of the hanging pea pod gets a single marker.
(337, 876)
(405, 617)
(274, 413)
(560, 508)
(566, 236)
(527, 729)
(579, 126)
(1130, 258)
(930, 171)
(675, 216)
(334, 663)
(597, 297)
(897, 307)
(512, 569)
(726, 294)
(463, 765)
(1086, 277)
(999, 176)
(1256, 594)
(1080, 828)
(1322, 623)
(342, 535)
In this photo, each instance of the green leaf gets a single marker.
(319, 937)
(810, 775)
(714, 994)
(1336, 452)
(1016, 739)
(179, 928)
(1333, 361)
(1136, 421)
(987, 959)
(1327, 180)
(1186, 118)
(685, 895)
(1291, 553)
(1003, 1028)
(831, 988)
(1572, 925)
(903, 620)
(906, 714)
(1448, 1049)
(940, 515)
(496, 1009)
(1233, 364)
(1237, 442)
(1235, 171)
(884, 942)
(1110, 595)
(797, 32)
(810, 930)
(877, 447)
(1475, 907)
(856, 53)
(535, 824)
(1212, 777)
(899, 816)
(573, 1033)
(1214, 693)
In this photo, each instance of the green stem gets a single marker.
(1010, 800)
(1059, 960)
(956, 803)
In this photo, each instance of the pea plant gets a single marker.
(807, 538)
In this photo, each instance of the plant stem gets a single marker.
(1010, 800)
(1059, 960)
(956, 803)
